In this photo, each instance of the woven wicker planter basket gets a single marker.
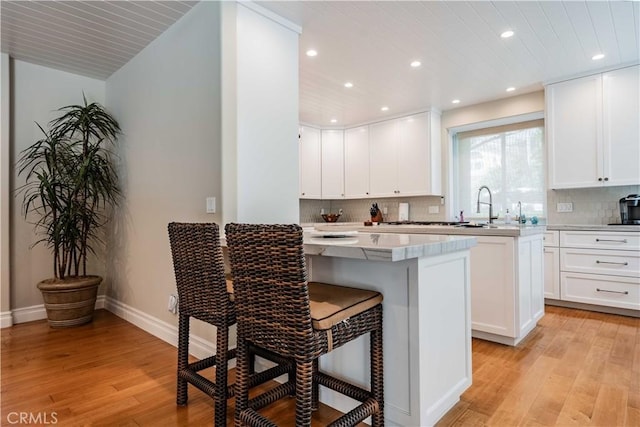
(70, 302)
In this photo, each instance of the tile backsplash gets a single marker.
(358, 210)
(590, 206)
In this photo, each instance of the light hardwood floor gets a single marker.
(577, 368)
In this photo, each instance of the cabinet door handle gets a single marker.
(610, 262)
(606, 178)
(600, 179)
(613, 292)
(612, 240)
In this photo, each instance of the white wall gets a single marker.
(5, 306)
(37, 93)
(167, 99)
(260, 116)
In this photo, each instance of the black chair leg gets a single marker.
(377, 375)
(183, 359)
(304, 385)
(315, 391)
(222, 346)
(242, 379)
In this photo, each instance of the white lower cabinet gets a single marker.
(598, 289)
(551, 265)
(601, 269)
(507, 280)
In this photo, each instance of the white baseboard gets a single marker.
(36, 312)
(6, 319)
(167, 332)
(29, 314)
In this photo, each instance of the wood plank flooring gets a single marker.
(577, 368)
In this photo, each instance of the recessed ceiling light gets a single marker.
(455, 101)
(334, 121)
(507, 34)
(312, 52)
(348, 84)
(511, 89)
(416, 64)
(598, 56)
(385, 108)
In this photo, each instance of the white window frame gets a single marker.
(454, 130)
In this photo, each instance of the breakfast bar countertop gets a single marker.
(382, 246)
(508, 230)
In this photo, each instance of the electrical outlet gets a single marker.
(434, 209)
(384, 210)
(172, 306)
(564, 207)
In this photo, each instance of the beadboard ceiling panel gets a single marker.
(369, 43)
(91, 38)
(458, 42)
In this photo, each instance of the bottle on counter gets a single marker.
(507, 217)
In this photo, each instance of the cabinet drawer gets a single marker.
(551, 238)
(600, 240)
(611, 291)
(618, 263)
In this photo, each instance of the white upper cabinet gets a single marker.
(621, 107)
(383, 158)
(356, 162)
(310, 163)
(332, 164)
(574, 132)
(392, 158)
(404, 156)
(418, 174)
(592, 130)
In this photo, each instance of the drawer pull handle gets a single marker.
(613, 292)
(609, 262)
(612, 240)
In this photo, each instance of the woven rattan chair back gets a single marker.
(270, 286)
(202, 293)
(199, 270)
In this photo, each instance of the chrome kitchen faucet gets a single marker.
(485, 203)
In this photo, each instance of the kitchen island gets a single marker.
(507, 275)
(425, 280)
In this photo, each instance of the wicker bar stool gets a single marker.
(279, 310)
(205, 294)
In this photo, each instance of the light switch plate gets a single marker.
(564, 207)
(434, 209)
(211, 205)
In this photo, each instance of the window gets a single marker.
(507, 159)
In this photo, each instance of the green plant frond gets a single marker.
(70, 179)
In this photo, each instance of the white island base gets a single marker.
(427, 328)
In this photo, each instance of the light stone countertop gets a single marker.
(496, 229)
(594, 227)
(385, 246)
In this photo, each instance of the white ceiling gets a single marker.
(90, 38)
(368, 43)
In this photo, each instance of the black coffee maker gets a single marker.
(630, 209)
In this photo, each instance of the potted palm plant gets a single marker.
(70, 186)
